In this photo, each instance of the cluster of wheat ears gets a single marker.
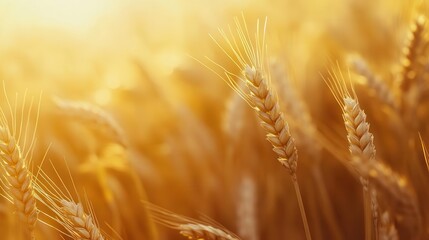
(340, 182)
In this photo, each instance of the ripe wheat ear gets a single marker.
(18, 182)
(361, 140)
(64, 210)
(191, 228)
(250, 57)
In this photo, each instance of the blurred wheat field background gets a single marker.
(150, 119)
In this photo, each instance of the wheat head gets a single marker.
(188, 227)
(203, 232)
(254, 86)
(411, 62)
(387, 229)
(95, 116)
(381, 90)
(19, 178)
(78, 223)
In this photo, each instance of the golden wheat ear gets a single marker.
(67, 212)
(93, 115)
(361, 140)
(373, 82)
(188, 227)
(387, 228)
(412, 62)
(249, 56)
(15, 153)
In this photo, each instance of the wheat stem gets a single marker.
(328, 211)
(367, 214)
(301, 207)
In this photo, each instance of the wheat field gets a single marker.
(214, 120)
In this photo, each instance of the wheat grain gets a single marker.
(306, 135)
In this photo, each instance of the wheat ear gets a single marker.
(190, 228)
(19, 179)
(362, 149)
(381, 90)
(411, 62)
(94, 115)
(68, 213)
(258, 93)
(265, 103)
(15, 154)
(361, 140)
(387, 229)
(77, 222)
(246, 209)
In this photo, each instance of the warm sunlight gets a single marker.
(73, 15)
(214, 119)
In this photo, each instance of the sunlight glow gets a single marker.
(76, 15)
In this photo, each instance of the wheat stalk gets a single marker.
(395, 189)
(361, 140)
(425, 152)
(258, 93)
(246, 209)
(306, 134)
